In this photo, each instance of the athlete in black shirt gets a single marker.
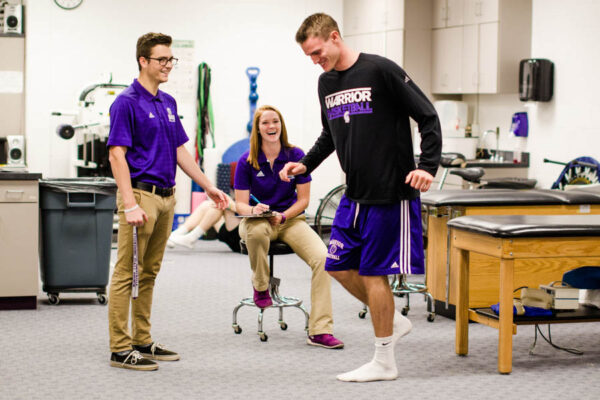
(366, 102)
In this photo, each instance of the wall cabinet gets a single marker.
(375, 27)
(447, 55)
(484, 55)
(396, 29)
(362, 17)
(447, 13)
(480, 11)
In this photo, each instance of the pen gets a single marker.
(254, 199)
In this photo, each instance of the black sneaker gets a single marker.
(157, 351)
(132, 360)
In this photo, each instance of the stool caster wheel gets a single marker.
(237, 329)
(283, 326)
(362, 314)
(405, 310)
(102, 299)
(53, 298)
(263, 337)
(431, 317)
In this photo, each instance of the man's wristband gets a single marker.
(282, 218)
(128, 210)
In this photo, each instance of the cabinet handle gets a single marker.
(14, 194)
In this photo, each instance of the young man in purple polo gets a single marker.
(145, 146)
(366, 101)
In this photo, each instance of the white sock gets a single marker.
(181, 230)
(381, 368)
(402, 326)
(195, 233)
(187, 240)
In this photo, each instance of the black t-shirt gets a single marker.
(365, 113)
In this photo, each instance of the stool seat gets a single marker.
(276, 247)
(469, 174)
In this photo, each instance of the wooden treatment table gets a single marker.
(522, 243)
(442, 206)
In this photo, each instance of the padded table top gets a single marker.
(513, 226)
(510, 197)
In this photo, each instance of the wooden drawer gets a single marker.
(19, 192)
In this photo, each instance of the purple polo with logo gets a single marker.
(150, 128)
(265, 184)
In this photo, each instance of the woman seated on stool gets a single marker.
(257, 175)
(204, 217)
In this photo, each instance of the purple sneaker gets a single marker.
(262, 299)
(325, 340)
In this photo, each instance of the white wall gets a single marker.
(69, 50)
(567, 33)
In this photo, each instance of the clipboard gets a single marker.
(263, 215)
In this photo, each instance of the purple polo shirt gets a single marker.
(265, 184)
(150, 128)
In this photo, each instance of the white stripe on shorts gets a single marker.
(404, 255)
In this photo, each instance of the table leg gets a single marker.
(460, 258)
(506, 316)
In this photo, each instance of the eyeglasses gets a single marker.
(164, 60)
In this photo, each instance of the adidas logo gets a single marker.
(406, 79)
(260, 174)
(150, 115)
(395, 265)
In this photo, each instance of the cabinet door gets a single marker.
(447, 59)
(364, 16)
(470, 59)
(394, 46)
(394, 12)
(488, 58)
(455, 13)
(480, 11)
(447, 13)
(439, 14)
(372, 43)
(19, 249)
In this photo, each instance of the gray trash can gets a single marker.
(76, 218)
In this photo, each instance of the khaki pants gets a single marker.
(152, 239)
(258, 233)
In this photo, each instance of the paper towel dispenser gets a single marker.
(536, 79)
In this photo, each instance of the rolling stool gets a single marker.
(401, 287)
(276, 248)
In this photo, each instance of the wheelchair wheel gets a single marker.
(326, 211)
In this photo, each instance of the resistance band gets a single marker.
(205, 113)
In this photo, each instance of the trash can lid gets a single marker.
(99, 185)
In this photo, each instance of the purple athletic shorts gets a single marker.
(377, 239)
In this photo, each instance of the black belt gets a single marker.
(147, 187)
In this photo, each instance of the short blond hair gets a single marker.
(318, 24)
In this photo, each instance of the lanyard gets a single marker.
(135, 282)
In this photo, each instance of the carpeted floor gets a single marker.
(61, 352)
